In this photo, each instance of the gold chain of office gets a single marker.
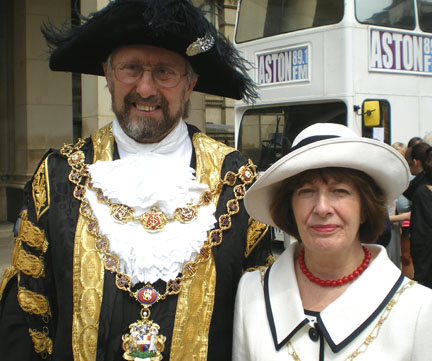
(155, 220)
(148, 295)
(246, 174)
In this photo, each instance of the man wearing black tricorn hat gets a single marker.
(131, 242)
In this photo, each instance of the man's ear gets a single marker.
(191, 86)
(107, 74)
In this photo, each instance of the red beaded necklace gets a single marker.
(340, 281)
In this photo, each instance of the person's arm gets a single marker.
(15, 343)
(26, 329)
(400, 217)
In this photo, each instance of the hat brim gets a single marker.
(381, 162)
(126, 23)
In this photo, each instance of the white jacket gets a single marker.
(269, 313)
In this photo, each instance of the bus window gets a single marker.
(262, 18)
(379, 129)
(390, 13)
(425, 14)
(266, 134)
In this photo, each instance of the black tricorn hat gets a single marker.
(175, 25)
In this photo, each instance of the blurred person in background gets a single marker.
(413, 141)
(420, 159)
(400, 221)
(428, 138)
(415, 157)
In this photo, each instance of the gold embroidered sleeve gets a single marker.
(42, 343)
(22, 260)
(40, 189)
(255, 233)
(30, 264)
(8, 274)
(31, 235)
(12, 270)
(33, 302)
(269, 261)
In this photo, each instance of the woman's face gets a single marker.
(328, 214)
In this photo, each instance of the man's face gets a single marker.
(147, 111)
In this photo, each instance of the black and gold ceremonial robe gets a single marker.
(58, 302)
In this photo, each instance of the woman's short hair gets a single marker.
(400, 147)
(373, 201)
(419, 152)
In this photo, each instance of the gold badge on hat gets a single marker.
(200, 45)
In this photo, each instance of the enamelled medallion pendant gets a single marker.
(143, 341)
(153, 221)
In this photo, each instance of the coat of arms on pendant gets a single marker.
(144, 342)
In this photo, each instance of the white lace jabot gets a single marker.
(175, 144)
(153, 175)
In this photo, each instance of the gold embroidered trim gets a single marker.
(255, 233)
(11, 271)
(42, 343)
(8, 274)
(269, 261)
(103, 144)
(194, 311)
(210, 155)
(195, 301)
(87, 293)
(34, 303)
(31, 235)
(30, 264)
(40, 189)
(88, 269)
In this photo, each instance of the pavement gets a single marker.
(6, 245)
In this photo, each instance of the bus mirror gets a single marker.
(371, 113)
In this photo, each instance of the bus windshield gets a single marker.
(266, 134)
(263, 18)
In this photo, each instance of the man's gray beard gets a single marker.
(145, 128)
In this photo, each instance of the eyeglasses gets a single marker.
(130, 73)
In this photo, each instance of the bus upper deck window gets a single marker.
(425, 14)
(391, 13)
(263, 18)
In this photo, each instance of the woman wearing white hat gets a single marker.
(332, 295)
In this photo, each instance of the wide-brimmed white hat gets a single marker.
(325, 145)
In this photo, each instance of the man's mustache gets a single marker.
(136, 98)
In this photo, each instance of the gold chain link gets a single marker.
(155, 220)
(78, 176)
(373, 334)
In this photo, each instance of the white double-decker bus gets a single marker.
(363, 63)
